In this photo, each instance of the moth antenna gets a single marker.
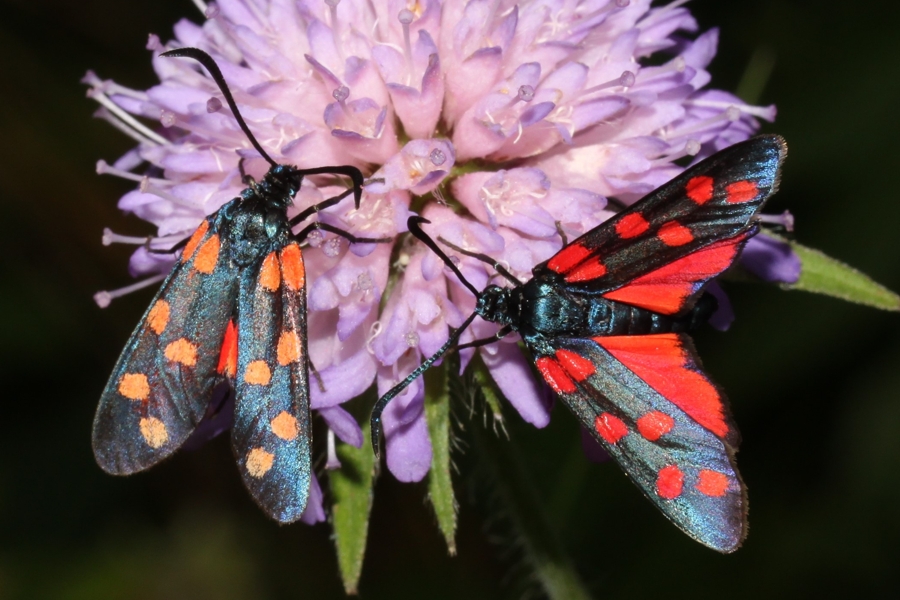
(413, 225)
(395, 391)
(207, 61)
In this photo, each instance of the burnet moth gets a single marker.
(232, 309)
(606, 320)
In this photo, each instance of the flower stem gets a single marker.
(548, 558)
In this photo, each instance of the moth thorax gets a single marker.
(279, 186)
(493, 305)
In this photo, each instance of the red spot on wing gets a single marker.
(554, 375)
(631, 226)
(700, 189)
(192, 243)
(578, 367)
(591, 269)
(663, 363)
(654, 425)
(568, 257)
(228, 354)
(610, 427)
(292, 269)
(666, 289)
(712, 483)
(741, 191)
(674, 233)
(669, 482)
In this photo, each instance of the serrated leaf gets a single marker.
(351, 487)
(503, 469)
(822, 274)
(437, 414)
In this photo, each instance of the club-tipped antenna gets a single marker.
(413, 225)
(395, 391)
(207, 61)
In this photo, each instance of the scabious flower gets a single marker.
(504, 122)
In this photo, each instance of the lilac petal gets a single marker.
(314, 511)
(407, 443)
(347, 379)
(724, 315)
(592, 448)
(143, 261)
(343, 425)
(536, 113)
(771, 260)
(512, 373)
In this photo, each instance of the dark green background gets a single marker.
(813, 381)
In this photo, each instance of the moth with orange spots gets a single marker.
(606, 319)
(233, 309)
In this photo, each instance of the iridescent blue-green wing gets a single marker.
(272, 431)
(648, 403)
(164, 379)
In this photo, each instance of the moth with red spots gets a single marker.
(606, 320)
(233, 309)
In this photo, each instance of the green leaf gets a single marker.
(440, 483)
(822, 274)
(351, 487)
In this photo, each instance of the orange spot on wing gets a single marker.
(568, 257)
(592, 269)
(631, 226)
(712, 483)
(182, 351)
(292, 268)
(674, 233)
(666, 289)
(134, 386)
(285, 426)
(194, 241)
(741, 191)
(669, 482)
(207, 255)
(158, 317)
(289, 348)
(610, 427)
(554, 375)
(228, 355)
(258, 373)
(578, 367)
(700, 189)
(654, 425)
(661, 361)
(154, 432)
(259, 462)
(269, 277)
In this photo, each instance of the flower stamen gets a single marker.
(97, 94)
(625, 80)
(785, 219)
(333, 462)
(732, 113)
(406, 17)
(104, 298)
(690, 148)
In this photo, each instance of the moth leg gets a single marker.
(562, 234)
(318, 377)
(505, 331)
(337, 231)
(485, 259)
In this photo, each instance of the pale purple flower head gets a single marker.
(519, 114)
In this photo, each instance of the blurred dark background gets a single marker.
(814, 382)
